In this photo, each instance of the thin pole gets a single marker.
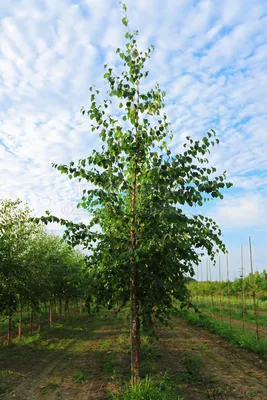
(207, 285)
(243, 288)
(228, 291)
(253, 291)
(197, 285)
(220, 292)
(211, 292)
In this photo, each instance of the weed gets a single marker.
(81, 376)
(147, 390)
(192, 366)
(105, 344)
(51, 386)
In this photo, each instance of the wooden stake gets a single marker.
(207, 266)
(197, 285)
(243, 288)
(220, 292)
(253, 292)
(228, 291)
(212, 302)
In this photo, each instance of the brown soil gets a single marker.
(225, 372)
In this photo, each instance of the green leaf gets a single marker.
(124, 21)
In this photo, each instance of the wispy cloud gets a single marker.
(210, 59)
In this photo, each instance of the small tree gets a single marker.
(16, 234)
(146, 243)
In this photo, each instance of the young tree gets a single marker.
(146, 243)
(16, 234)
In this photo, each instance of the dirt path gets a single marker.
(219, 371)
(76, 364)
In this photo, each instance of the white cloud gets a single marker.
(210, 58)
(246, 211)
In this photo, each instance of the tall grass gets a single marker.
(148, 390)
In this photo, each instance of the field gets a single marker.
(87, 357)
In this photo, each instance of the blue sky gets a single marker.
(210, 58)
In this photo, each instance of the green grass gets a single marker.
(83, 376)
(238, 337)
(237, 315)
(160, 388)
(192, 369)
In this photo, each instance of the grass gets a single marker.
(238, 337)
(192, 369)
(237, 315)
(159, 388)
(82, 376)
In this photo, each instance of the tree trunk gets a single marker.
(50, 314)
(66, 307)
(31, 322)
(20, 321)
(39, 324)
(60, 309)
(9, 334)
(134, 329)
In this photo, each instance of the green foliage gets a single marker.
(253, 283)
(35, 267)
(192, 373)
(81, 376)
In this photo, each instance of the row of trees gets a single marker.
(36, 267)
(256, 282)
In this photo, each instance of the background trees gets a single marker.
(36, 267)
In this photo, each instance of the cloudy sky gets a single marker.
(210, 58)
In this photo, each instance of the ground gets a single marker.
(86, 356)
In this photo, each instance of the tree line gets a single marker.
(37, 268)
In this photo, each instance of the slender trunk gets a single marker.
(253, 293)
(60, 309)
(20, 321)
(134, 323)
(50, 314)
(31, 321)
(39, 323)
(228, 291)
(66, 308)
(81, 307)
(9, 332)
